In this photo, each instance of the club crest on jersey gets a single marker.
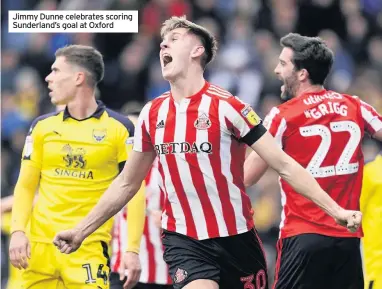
(250, 115)
(99, 135)
(202, 122)
(180, 275)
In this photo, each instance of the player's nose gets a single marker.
(47, 78)
(163, 44)
(277, 70)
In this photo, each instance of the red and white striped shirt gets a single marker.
(201, 150)
(154, 268)
(323, 132)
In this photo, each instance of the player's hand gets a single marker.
(19, 250)
(68, 241)
(349, 219)
(132, 266)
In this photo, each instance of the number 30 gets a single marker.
(261, 280)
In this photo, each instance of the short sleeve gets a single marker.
(275, 123)
(242, 121)
(33, 147)
(124, 135)
(142, 139)
(125, 143)
(371, 118)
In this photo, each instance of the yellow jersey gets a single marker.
(78, 160)
(371, 208)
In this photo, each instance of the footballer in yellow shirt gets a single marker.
(371, 208)
(71, 156)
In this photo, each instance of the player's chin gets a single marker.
(167, 75)
(57, 101)
(53, 100)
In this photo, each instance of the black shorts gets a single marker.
(115, 283)
(312, 261)
(234, 262)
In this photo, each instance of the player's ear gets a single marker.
(197, 51)
(80, 77)
(303, 75)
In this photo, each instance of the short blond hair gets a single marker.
(208, 40)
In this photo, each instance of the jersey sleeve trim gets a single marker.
(276, 125)
(41, 118)
(371, 117)
(142, 138)
(125, 121)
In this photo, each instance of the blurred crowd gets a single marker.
(248, 32)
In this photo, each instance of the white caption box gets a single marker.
(73, 21)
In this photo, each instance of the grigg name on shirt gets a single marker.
(325, 108)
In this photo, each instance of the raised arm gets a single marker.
(254, 168)
(250, 130)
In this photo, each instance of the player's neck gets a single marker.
(82, 106)
(308, 89)
(187, 86)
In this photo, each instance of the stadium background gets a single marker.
(248, 32)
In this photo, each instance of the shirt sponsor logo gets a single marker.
(183, 147)
(74, 158)
(75, 163)
(74, 173)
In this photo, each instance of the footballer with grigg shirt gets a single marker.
(322, 130)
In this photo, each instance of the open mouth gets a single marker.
(166, 59)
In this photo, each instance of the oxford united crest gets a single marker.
(99, 135)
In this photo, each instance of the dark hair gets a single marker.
(208, 40)
(310, 53)
(86, 57)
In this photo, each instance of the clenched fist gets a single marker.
(68, 241)
(349, 219)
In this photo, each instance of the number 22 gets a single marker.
(343, 166)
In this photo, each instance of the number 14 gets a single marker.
(343, 166)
